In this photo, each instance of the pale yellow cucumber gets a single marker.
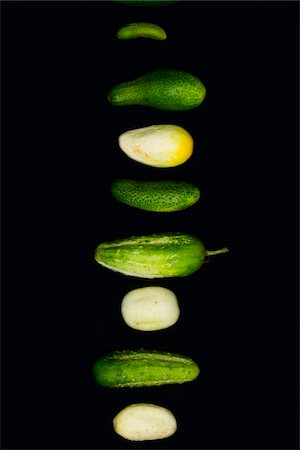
(144, 422)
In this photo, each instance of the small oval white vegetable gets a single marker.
(150, 308)
(144, 422)
(158, 145)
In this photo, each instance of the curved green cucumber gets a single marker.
(141, 30)
(146, 2)
(166, 89)
(139, 368)
(154, 256)
(157, 196)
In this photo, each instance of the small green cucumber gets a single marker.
(141, 30)
(163, 255)
(165, 89)
(139, 368)
(157, 196)
(146, 2)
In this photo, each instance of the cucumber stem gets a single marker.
(217, 252)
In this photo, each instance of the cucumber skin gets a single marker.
(139, 368)
(154, 256)
(156, 196)
(141, 30)
(166, 89)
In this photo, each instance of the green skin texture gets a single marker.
(165, 89)
(157, 196)
(154, 256)
(139, 368)
(141, 30)
(146, 2)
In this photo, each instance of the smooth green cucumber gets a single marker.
(141, 30)
(166, 89)
(146, 2)
(154, 256)
(157, 196)
(139, 368)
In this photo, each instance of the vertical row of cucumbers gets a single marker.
(161, 255)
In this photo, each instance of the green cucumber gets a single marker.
(141, 30)
(157, 196)
(139, 368)
(154, 256)
(166, 89)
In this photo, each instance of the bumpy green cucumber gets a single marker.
(166, 89)
(141, 30)
(158, 196)
(138, 368)
(154, 256)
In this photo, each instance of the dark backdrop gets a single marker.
(61, 310)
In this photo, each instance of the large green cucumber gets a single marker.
(154, 256)
(158, 196)
(138, 368)
(166, 89)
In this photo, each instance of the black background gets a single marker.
(60, 310)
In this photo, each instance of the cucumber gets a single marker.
(157, 196)
(165, 89)
(141, 30)
(144, 422)
(139, 368)
(154, 256)
(158, 145)
(150, 308)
